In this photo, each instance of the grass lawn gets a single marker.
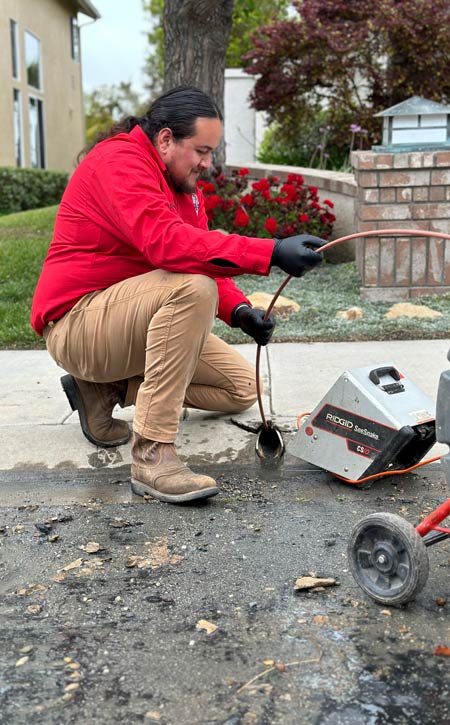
(24, 238)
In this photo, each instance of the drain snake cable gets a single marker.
(328, 245)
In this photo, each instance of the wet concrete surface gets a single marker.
(113, 635)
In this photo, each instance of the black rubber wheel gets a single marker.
(388, 558)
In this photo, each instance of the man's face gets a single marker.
(187, 159)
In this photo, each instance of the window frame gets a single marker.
(18, 128)
(75, 45)
(39, 88)
(15, 50)
(41, 146)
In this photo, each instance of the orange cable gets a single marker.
(389, 473)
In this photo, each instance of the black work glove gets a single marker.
(252, 322)
(296, 255)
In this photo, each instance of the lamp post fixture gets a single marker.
(416, 124)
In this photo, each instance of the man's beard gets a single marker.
(184, 187)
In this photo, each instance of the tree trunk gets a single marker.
(196, 34)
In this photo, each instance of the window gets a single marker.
(14, 48)
(33, 60)
(36, 123)
(17, 111)
(75, 39)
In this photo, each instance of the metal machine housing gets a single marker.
(373, 419)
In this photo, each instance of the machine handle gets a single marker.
(375, 374)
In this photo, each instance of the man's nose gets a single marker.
(205, 163)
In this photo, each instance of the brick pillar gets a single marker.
(402, 191)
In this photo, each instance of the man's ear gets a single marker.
(164, 139)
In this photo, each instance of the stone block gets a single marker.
(419, 177)
(435, 274)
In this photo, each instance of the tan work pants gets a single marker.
(154, 331)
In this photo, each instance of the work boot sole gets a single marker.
(141, 489)
(76, 403)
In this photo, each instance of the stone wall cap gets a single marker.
(346, 177)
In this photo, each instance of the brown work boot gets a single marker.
(157, 471)
(95, 403)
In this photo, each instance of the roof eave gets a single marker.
(87, 8)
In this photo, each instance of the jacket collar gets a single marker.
(141, 138)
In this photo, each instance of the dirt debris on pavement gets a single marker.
(146, 612)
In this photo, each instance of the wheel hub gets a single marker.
(384, 557)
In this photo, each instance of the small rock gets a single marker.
(320, 619)
(44, 528)
(280, 666)
(73, 565)
(153, 716)
(73, 686)
(283, 305)
(91, 547)
(311, 582)
(406, 309)
(353, 313)
(22, 661)
(208, 627)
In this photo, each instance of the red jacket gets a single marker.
(120, 217)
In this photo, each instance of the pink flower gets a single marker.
(271, 225)
(328, 203)
(243, 172)
(304, 218)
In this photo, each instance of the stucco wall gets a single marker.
(49, 21)
(244, 127)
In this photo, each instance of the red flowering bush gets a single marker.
(265, 208)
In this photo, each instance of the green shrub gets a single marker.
(22, 189)
(308, 145)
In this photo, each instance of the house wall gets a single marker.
(244, 127)
(49, 21)
(403, 191)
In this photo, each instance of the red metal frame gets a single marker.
(431, 522)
